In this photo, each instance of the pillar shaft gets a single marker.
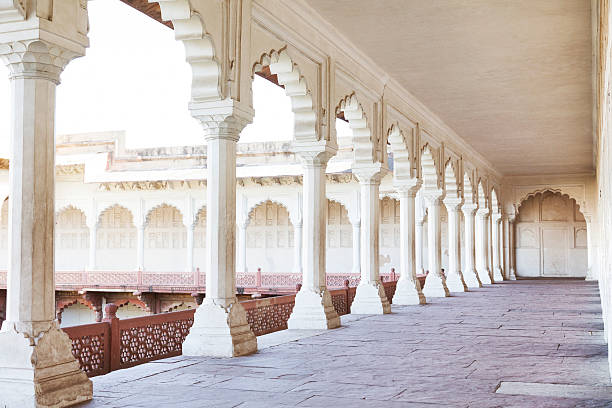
(435, 283)
(190, 231)
(37, 367)
(93, 243)
(298, 238)
(470, 275)
(356, 247)
(591, 273)
(408, 290)
(511, 257)
(496, 247)
(313, 305)
(454, 276)
(140, 239)
(220, 327)
(370, 297)
(482, 246)
(418, 246)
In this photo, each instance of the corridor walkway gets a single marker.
(453, 352)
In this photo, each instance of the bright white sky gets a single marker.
(135, 78)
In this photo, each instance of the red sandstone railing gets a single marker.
(189, 282)
(114, 344)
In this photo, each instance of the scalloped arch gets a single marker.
(162, 205)
(469, 197)
(451, 182)
(63, 304)
(402, 166)
(110, 206)
(296, 88)
(363, 146)
(495, 204)
(136, 302)
(200, 52)
(70, 206)
(482, 197)
(429, 169)
(253, 206)
(521, 200)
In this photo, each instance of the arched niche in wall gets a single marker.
(77, 314)
(71, 239)
(270, 239)
(550, 237)
(389, 234)
(165, 240)
(339, 239)
(116, 239)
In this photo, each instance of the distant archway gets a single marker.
(116, 239)
(551, 237)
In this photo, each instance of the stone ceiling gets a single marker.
(513, 78)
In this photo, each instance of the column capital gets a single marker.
(469, 209)
(408, 188)
(368, 174)
(36, 59)
(222, 119)
(453, 204)
(483, 212)
(496, 217)
(314, 154)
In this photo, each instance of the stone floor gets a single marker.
(540, 342)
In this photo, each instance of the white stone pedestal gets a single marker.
(370, 298)
(40, 371)
(313, 311)
(220, 332)
(408, 292)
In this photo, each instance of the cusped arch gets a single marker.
(469, 195)
(296, 88)
(363, 146)
(452, 183)
(200, 52)
(402, 154)
(255, 204)
(103, 210)
(495, 203)
(561, 191)
(482, 197)
(70, 207)
(151, 210)
(429, 168)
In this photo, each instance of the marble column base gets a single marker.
(408, 292)
(313, 311)
(435, 286)
(370, 298)
(471, 279)
(39, 370)
(455, 282)
(498, 275)
(590, 275)
(485, 276)
(220, 332)
(512, 274)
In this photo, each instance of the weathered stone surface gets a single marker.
(454, 352)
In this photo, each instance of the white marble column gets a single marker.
(418, 246)
(93, 244)
(454, 276)
(140, 239)
(37, 367)
(435, 283)
(313, 304)
(220, 326)
(591, 273)
(482, 246)
(496, 247)
(408, 290)
(511, 247)
(470, 276)
(370, 297)
(356, 247)
(298, 234)
(190, 231)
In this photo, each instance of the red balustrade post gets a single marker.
(113, 345)
(258, 278)
(393, 279)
